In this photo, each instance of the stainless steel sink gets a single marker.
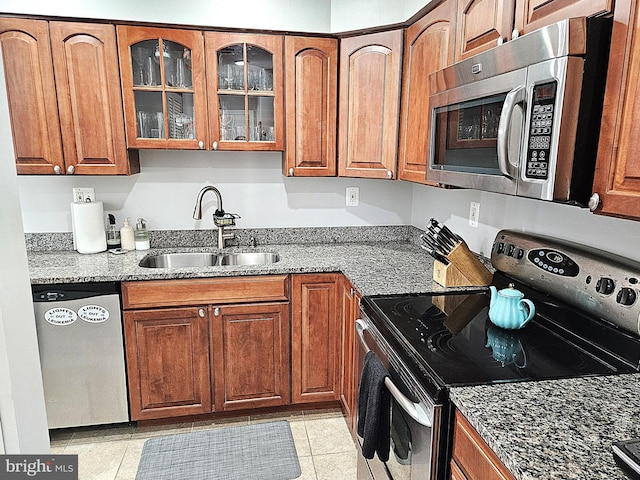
(197, 259)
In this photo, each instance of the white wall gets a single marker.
(305, 16)
(251, 185)
(502, 211)
(22, 410)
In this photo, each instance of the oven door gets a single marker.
(415, 419)
(477, 132)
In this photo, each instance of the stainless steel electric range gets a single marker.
(587, 323)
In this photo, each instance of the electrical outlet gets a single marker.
(353, 196)
(474, 213)
(84, 194)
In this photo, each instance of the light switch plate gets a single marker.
(353, 196)
(84, 194)
(474, 213)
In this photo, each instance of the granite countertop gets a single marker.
(373, 268)
(556, 429)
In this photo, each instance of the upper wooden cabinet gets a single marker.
(482, 24)
(617, 178)
(369, 104)
(428, 47)
(164, 88)
(81, 109)
(311, 91)
(245, 84)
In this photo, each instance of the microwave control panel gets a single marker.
(541, 126)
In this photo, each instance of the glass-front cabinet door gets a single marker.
(245, 83)
(163, 87)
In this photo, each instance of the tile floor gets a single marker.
(322, 439)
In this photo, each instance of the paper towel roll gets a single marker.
(87, 220)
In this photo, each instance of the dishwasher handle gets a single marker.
(414, 410)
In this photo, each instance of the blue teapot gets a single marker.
(509, 309)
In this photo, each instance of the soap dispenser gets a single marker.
(113, 234)
(142, 235)
(126, 236)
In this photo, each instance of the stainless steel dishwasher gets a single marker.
(81, 353)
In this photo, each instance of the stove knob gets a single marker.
(605, 286)
(626, 296)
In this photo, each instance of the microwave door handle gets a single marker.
(412, 409)
(514, 97)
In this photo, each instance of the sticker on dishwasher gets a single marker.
(60, 316)
(93, 313)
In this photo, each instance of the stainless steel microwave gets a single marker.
(523, 118)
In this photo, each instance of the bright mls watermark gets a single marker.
(50, 467)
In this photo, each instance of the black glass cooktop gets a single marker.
(453, 342)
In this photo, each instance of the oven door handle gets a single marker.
(414, 410)
(514, 97)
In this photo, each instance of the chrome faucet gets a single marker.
(220, 218)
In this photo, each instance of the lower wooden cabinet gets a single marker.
(250, 355)
(315, 337)
(348, 369)
(168, 362)
(472, 459)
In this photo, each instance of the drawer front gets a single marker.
(204, 291)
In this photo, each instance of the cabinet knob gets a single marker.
(515, 34)
(71, 170)
(57, 170)
(594, 202)
(215, 145)
(201, 312)
(500, 41)
(291, 172)
(216, 311)
(201, 145)
(389, 174)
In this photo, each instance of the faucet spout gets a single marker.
(197, 212)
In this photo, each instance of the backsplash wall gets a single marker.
(535, 216)
(251, 184)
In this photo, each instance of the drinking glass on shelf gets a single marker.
(226, 124)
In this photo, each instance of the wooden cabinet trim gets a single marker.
(198, 291)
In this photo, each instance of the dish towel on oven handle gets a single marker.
(374, 409)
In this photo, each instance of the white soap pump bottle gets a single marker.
(127, 238)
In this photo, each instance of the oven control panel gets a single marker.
(540, 128)
(597, 282)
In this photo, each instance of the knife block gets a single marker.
(464, 269)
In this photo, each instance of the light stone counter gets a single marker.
(557, 429)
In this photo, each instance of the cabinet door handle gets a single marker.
(57, 170)
(201, 312)
(216, 311)
(71, 169)
(201, 145)
(215, 145)
(291, 172)
(389, 174)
